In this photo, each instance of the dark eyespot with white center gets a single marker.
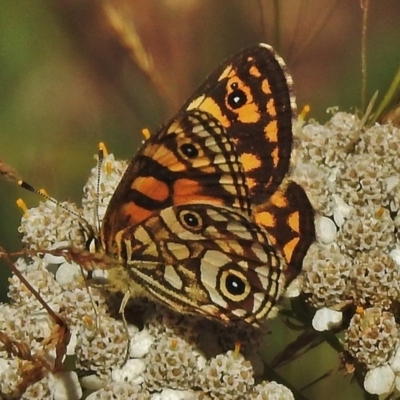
(237, 98)
(189, 150)
(234, 285)
(191, 220)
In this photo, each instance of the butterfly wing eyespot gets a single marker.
(189, 150)
(191, 220)
(235, 284)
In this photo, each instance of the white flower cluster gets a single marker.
(352, 177)
(162, 360)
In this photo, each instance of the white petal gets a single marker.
(72, 343)
(294, 288)
(395, 254)
(100, 274)
(68, 273)
(140, 344)
(380, 380)
(50, 259)
(131, 372)
(92, 396)
(92, 382)
(171, 394)
(395, 361)
(391, 182)
(4, 364)
(325, 229)
(341, 210)
(65, 386)
(326, 318)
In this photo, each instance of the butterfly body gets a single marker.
(204, 219)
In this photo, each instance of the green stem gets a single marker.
(392, 93)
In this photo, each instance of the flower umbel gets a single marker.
(161, 360)
(352, 177)
(354, 264)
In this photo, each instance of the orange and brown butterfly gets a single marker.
(204, 218)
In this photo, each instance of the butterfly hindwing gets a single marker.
(205, 259)
(288, 216)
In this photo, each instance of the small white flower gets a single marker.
(130, 372)
(380, 380)
(43, 321)
(326, 318)
(4, 364)
(331, 181)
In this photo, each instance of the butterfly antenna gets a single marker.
(9, 173)
(41, 192)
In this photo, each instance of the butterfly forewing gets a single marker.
(189, 160)
(251, 95)
(205, 259)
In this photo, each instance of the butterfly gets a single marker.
(204, 218)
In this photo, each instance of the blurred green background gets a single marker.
(66, 83)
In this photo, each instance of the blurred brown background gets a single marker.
(66, 82)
